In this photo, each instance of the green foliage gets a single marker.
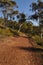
(21, 17)
(30, 27)
(7, 9)
(15, 32)
(13, 24)
(36, 30)
(38, 40)
(8, 32)
(16, 25)
(5, 32)
(29, 35)
(27, 27)
(10, 24)
(1, 21)
(37, 7)
(24, 27)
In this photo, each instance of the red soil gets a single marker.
(19, 51)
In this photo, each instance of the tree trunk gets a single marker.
(20, 27)
(41, 35)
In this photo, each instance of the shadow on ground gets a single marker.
(31, 49)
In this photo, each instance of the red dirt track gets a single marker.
(19, 51)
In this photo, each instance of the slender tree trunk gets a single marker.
(20, 27)
(41, 35)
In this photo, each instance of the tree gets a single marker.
(12, 14)
(38, 9)
(7, 8)
(36, 30)
(27, 27)
(30, 27)
(22, 18)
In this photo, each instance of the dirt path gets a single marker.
(19, 51)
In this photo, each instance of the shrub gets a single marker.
(38, 40)
(29, 35)
(5, 32)
(15, 32)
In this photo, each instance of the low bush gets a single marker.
(5, 32)
(15, 32)
(29, 35)
(38, 40)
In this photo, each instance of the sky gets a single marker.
(24, 7)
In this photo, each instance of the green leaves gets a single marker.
(34, 6)
(15, 12)
(21, 17)
(8, 2)
(12, 3)
(7, 8)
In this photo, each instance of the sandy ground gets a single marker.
(19, 51)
